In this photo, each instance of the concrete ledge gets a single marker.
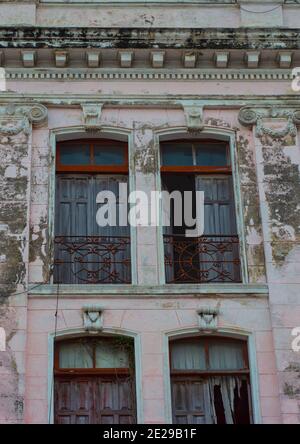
(170, 291)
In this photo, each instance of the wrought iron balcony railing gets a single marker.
(92, 260)
(202, 259)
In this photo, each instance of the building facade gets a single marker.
(139, 323)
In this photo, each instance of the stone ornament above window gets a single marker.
(92, 115)
(208, 319)
(194, 117)
(257, 116)
(92, 318)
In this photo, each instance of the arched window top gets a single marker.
(209, 355)
(92, 155)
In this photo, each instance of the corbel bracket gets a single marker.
(92, 115)
(194, 117)
(208, 319)
(92, 318)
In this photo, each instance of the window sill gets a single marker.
(131, 291)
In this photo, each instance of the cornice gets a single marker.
(163, 38)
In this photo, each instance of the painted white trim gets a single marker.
(69, 333)
(72, 132)
(230, 332)
(217, 133)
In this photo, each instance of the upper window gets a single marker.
(188, 167)
(92, 156)
(196, 156)
(86, 251)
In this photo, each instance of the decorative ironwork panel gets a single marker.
(203, 259)
(92, 260)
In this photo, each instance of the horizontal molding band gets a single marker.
(154, 74)
(168, 291)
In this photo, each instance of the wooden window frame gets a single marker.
(196, 168)
(91, 168)
(207, 373)
(114, 371)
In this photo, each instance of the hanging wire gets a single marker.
(263, 12)
(54, 338)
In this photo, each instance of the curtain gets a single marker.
(110, 356)
(107, 261)
(75, 355)
(226, 356)
(228, 385)
(219, 221)
(188, 356)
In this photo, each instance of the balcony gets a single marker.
(201, 260)
(92, 260)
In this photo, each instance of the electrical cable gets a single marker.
(262, 12)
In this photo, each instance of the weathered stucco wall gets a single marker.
(14, 208)
(278, 160)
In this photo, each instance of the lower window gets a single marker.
(94, 381)
(210, 381)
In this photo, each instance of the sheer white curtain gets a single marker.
(188, 356)
(75, 355)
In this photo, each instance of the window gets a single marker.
(94, 381)
(84, 251)
(210, 381)
(92, 156)
(202, 165)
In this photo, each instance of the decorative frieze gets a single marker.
(258, 116)
(187, 59)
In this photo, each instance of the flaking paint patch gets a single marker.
(282, 191)
(251, 209)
